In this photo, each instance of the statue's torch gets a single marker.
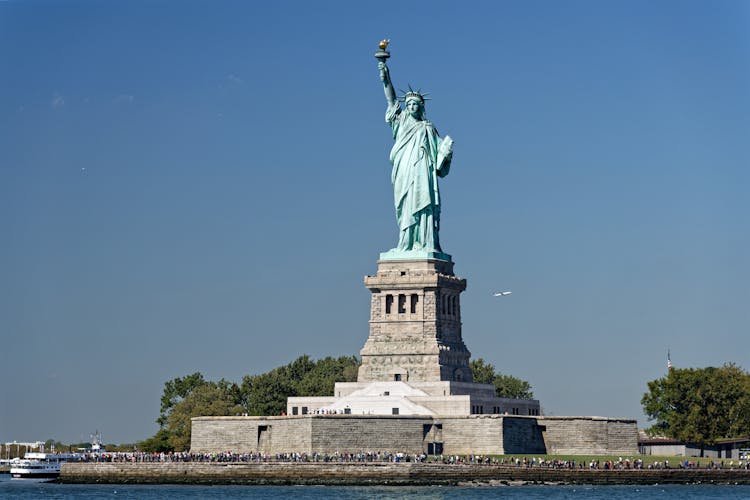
(383, 54)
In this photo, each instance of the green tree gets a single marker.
(484, 373)
(209, 399)
(299, 368)
(700, 405)
(158, 443)
(266, 394)
(320, 380)
(187, 397)
(174, 391)
(506, 386)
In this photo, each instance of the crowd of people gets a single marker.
(624, 464)
(396, 457)
(231, 457)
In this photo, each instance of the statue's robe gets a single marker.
(417, 163)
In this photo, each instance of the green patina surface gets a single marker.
(419, 157)
(396, 254)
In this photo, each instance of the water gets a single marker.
(30, 490)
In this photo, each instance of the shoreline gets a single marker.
(380, 474)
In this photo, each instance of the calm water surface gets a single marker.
(29, 490)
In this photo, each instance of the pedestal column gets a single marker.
(415, 324)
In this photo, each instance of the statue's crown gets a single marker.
(414, 94)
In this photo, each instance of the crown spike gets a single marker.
(413, 94)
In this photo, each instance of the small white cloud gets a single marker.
(236, 80)
(124, 99)
(58, 101)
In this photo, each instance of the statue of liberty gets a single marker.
(419, 156)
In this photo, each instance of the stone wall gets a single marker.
(475, 434)
(368, 433)
(522, 435)
(589, 435)
(377, 474)
(308, 434)
(251, 434)
(223, 434)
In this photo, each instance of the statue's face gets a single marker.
(414, 108)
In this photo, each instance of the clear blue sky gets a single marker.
(202, 185)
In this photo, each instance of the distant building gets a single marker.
(732, 448)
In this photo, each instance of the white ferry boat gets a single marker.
(37, 465)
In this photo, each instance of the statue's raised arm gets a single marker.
(385, 77)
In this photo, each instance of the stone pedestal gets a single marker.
(415, 324)
(414, 361)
